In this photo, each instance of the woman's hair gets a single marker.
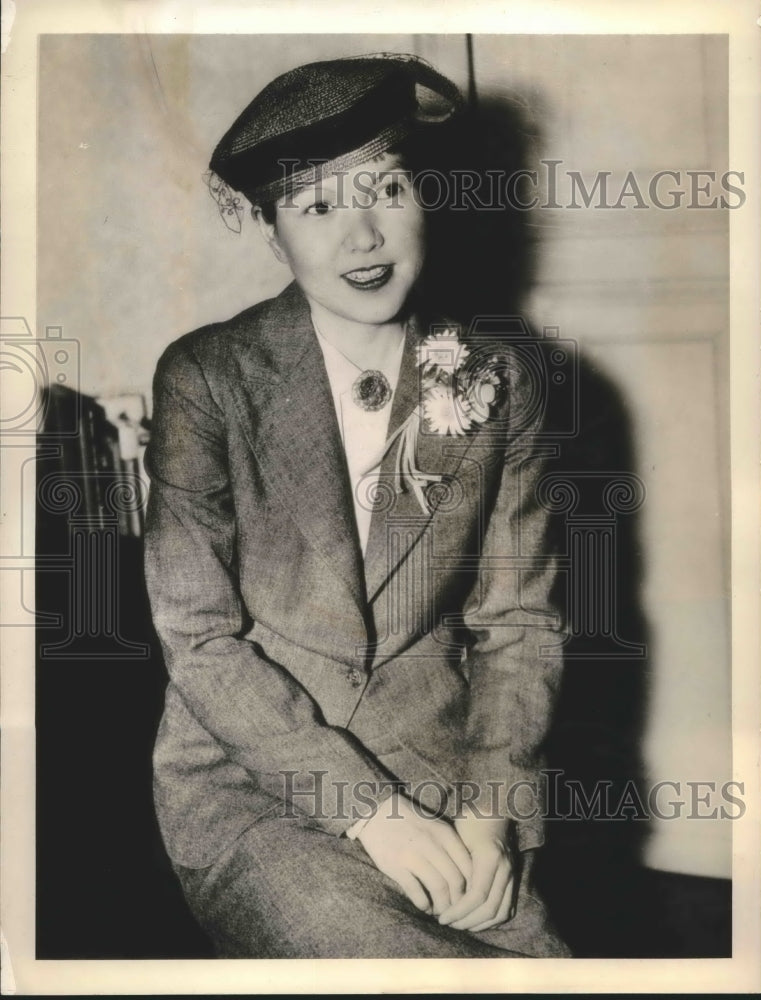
(269, 211)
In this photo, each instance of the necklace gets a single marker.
(371, 390)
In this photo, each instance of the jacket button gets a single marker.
(355, 677)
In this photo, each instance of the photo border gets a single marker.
(22, 973)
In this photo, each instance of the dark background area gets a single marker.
(105, 888)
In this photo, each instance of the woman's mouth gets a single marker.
(369, 278)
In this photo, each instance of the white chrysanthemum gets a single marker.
(444, 414)
(442, 352)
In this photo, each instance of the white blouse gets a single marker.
(363, 432)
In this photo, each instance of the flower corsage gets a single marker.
(456, 396)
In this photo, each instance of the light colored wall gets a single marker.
(132, 254)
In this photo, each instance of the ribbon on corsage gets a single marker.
(455, 398)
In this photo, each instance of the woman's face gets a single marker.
(354, 241)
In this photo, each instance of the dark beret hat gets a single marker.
(328, 116)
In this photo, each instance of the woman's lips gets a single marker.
(369, 278)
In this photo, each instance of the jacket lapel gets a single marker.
(289, 419)
(398, 520)
(293, 430)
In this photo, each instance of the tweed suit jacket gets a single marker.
(301, 674)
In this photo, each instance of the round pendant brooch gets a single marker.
(371, 390)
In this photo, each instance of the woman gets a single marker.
(345, 564)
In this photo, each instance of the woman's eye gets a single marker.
(319, 208)
(392, 189)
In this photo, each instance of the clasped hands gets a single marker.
(461, 874)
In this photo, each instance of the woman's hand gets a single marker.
(424, 855)
(488, 900)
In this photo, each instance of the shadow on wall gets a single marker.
(485, 263)
(481, 257)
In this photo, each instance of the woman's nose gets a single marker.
(363, 234)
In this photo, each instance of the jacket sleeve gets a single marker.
(262, 717)
(515, 661)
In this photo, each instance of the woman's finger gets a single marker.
(485, 866)
(455, 879)
(457, 851)
(487, 911)
(413, 890)
(434, 883)
(504, 913)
